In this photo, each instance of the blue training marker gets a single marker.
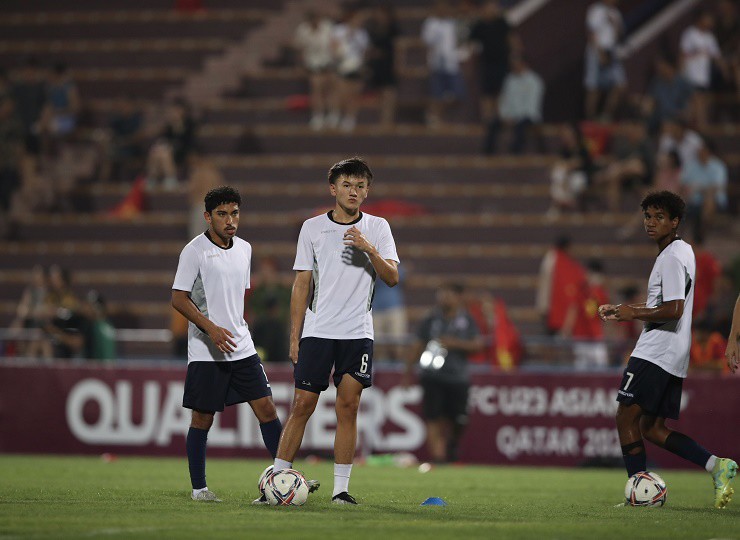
(434, 501)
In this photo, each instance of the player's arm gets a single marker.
(732, 353)
(220, 336)
(298, 305)
(667, 311)
(470, 345)
(386, 269)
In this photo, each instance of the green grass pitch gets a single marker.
(85, 497)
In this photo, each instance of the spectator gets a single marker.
(29, 93)
(439, 33)
(668, 96)
(503, 347)
(60, 294)
(707, 351)
(587, 327)
(124, 141)
(699, 48)
(98, 332)
(32, 313)
(204, 176)
(561, 281)
(571, 173)
(708, 271)
(383, 31)
(632, 166)
(494, 39)
(705, 181)
(11, 149)
(313, 38)
(604, 72)
(678, 137)
(390, 323)
(445, 339)
(170, 151)
(59, 118)
(520, 108)
(270, 333)
(269, 311)
(350, 42)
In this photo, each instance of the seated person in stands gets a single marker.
(59, 117)
(520, 107)
(631, 167)
(123, 144)
(170, 151)
(704, 180)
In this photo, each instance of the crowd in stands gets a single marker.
(60, 324)
(623, 146)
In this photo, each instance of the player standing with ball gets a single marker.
(651, 386)
(223, 365)
(339, 255)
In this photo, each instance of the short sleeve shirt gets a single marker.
(216, 279)
(672, 278)
(343, 277)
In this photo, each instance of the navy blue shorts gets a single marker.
(210, 386)
(651, 387)
(316, 357)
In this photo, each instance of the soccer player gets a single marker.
(733, 340)
(339, 255)
(650, 390)
(223, 365)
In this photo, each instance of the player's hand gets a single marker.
(222, 338)
(354, 237)
(733, 355)
(620, 312)
(293, 352)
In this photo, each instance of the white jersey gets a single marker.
(216, 279)
(673, 278)
(343, 277)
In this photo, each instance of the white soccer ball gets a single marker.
(263, 479)
(645, 489)
(286, 488)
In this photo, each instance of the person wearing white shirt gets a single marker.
(350, 42)
(699, 48)
(439, 33)
(651, 387)
(520, 106)
(603, 72)
(313, 39)
(338, 258)
(223, 366)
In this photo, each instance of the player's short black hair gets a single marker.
(666, 200)
(222, 195)
(354, 167)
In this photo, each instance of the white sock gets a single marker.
(281, 464)
(196, 491)
(710, 463)
(341, 478)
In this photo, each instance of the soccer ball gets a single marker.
(286, 488)
(263, 479)
(645, 489)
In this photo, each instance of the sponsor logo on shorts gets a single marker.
(306, 383)
(363, 375)
(626, 394)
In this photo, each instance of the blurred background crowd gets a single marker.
(511, 141)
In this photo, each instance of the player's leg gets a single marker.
(458, 419)
(347, 405)
(206, 385)
(630, 438)
(304, 404)
(248, 383)
(311, 374)
(723, 470)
